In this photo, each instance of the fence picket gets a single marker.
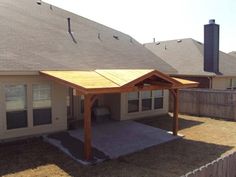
(221, 167)
(205, 102)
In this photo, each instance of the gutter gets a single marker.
(19, 73)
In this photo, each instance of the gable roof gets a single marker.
(186, 56)
(113, 80)
(35, 37)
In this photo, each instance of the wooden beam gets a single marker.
(87, 127)
(175, 93)
(126, 89)
(93, 99)
(162, 84)
(153, 73)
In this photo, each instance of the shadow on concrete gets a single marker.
(75, 147)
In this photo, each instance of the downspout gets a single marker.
(210, 82)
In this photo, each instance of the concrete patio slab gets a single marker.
(110, 139)
(120, 138)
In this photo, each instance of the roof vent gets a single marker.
(131, 40)
(179, 40)
(39, 2)
(99, 36)
(51, 7)
(154, 40)
(158, 43)
(116, 37)
(69, 27)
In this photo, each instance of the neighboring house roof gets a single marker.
(35, 37)
(186, 56)
(233, 53)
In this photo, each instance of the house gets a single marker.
(55, 66)
(212, 68)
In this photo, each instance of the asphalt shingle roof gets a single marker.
(233, 53)
(186, 56)
(35, 37)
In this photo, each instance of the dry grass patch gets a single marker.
(205, 140)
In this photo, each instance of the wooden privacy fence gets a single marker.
(222, 167)
(205, 102)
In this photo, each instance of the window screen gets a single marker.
(16, 109)
(158, 99)
(133, 102)
(41, 96)
(42, 104)
(146, 100)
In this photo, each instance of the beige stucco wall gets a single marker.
(220, 83)
(113, 102)
(59, 113)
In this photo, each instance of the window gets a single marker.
(146, 100)
(233, 84)
(133, 102)
(228, 84)
(42, 104)
(158, 99)
(16, 109)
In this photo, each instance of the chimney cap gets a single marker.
(212, 21)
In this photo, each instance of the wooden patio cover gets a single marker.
(92, 83)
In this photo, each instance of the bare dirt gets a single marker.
(205, 139)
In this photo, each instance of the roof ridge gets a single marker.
(200, 52)
(170, 40)
(106, 77)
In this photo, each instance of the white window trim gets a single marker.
(140, 104)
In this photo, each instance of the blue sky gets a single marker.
(162, 19)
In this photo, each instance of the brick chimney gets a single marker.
(211, 47)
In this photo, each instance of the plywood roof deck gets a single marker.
(110, 81)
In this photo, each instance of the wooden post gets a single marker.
(87, 127)
(175, 93)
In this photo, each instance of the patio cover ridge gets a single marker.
(123, 77)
